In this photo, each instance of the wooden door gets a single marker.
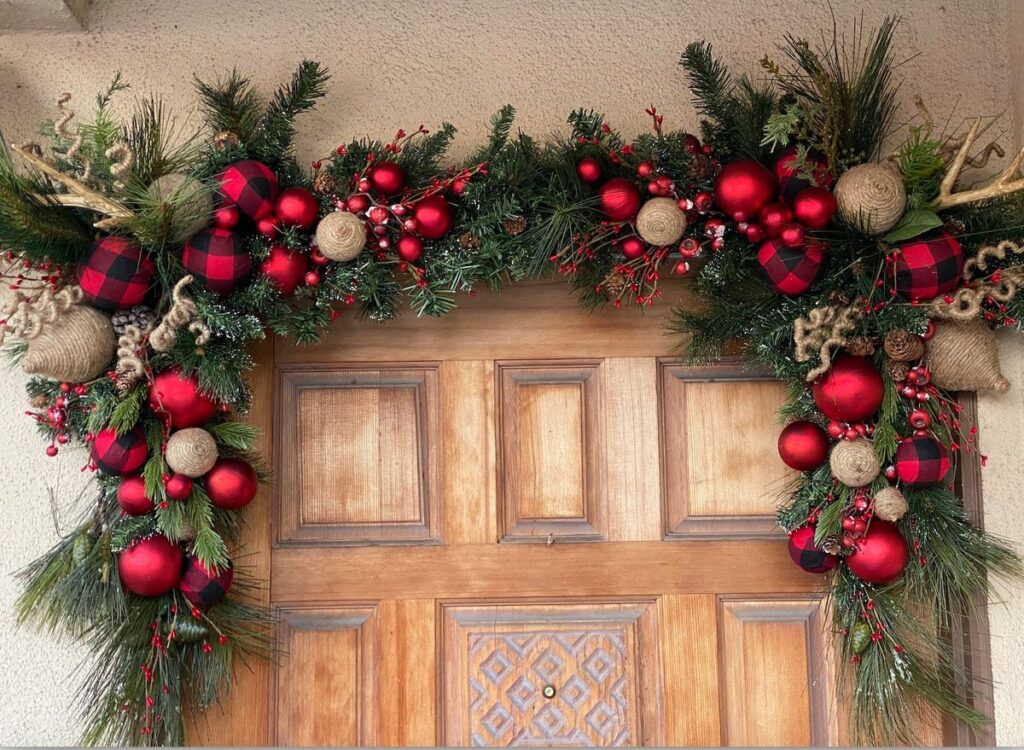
(525, 524)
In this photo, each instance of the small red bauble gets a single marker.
(806, 555)
(928, 266)
(791, 183)
(790, 270)
(226, 217)
(115, 274)
(588, 169)
(123, 454)
(218, 260)
(202, 586)
(358, 203)
(620, 199)
(880, 555)
(409, 248)
(803, 445)
(433, 217)
(177, 397)
(285, 268)
(633, 248)
(297, 207)
(250, 185)
(231, 483)
(773, 217)
(814, 207)
(921, 459)
(131, 496)
(178, 487)
(851, 390)
(792, 235)
(387, 178)
(150, 567)
(267, 226)
(743, 188)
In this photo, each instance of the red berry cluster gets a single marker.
(856, 517)
(55, 416)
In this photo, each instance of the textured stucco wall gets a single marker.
(400, 64)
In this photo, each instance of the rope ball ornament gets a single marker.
(75, 348)
(854, 462)
(341, 236)
(191, 452)
(660, 222)
(871, 198)
(963, 355)
(889, 504)
(185, 203)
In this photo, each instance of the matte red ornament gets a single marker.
(588, 169)
(803, 445)
(251, 186)
(297, 207)
(806, 555)
(433, 217)
(792, 235)
(921, 459)
(178, 487)
(115, 274)
(285, 268)
(620, 199)
(231, 483)
(357, 203)
(267, 226)
(792, 182)
(928, 266)
(773, 217)
(123, 454)
(176, 397)
(227, 217)
(790, 270)
(217, 259)
(880, 555)
(150, 567)
(633, 248)
(203, 586)
(387, 178)
(409, 248)
(743, 188)
(814, 207)
(131, 496)
(851, 390)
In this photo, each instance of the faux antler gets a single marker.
(1005, 183)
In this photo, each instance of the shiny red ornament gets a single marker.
(691, 144)
(851, 390)
(177, 397)
(178, 487)
(131, 496)
(231, 483)
(773, 218)
(814, 207)
(633, 248)
(803, 445)
(743, 188)
(267, 226)
(226, 217)
(387, 177)
(358, 203)
(297, 207)
(150, 567)
(588, 169)
(792, 235)
(409, 248)
(809, 557)
(285, 268)
(433, 217)
(620, 199)
(880, 555)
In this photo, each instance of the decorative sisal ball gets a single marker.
(964, 356)
(341, 236)
(191, 452)
(185, 203)
(854, 462)
(660, 222)
(115, 274)
(890, 505)
(871, 198)
(77, 347)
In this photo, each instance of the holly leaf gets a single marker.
(915, 222)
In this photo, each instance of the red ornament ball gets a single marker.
(178, 487)
(409, 248)
(814, 207)
(131, 496)
(790, 270)
(928, 266)
(150, 567)
(123, 454)
(251, 186)
(217, 259)
(588, 169)
(285, 268)
(921, 459)
(743, 188)
(387, 178)
(267, 226)
(203, 586)
(231, 483)
(851, 390)
(620, 199)
(633, 248)
(880, 555)
(792, 235)
(433, 217)
(177, 398)
(773, 218)
(297, 207)
(226, 217)
(803, 445)
(793, 180)
(806, 555)
(115, 274)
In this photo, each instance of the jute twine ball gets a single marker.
(193, 204)
(191, 452)
(871, 198)
(660, 222)
(341, 236)
(964, 356)
(854, 463)
(890, 505)
(77, 347)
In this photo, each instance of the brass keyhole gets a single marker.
(549, 691)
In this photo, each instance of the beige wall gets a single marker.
(400, 64)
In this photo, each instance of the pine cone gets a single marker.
(831, 545)
(139, 316)
(39, 401)
(469, 241)
(700, 167)
(514, 225)
(324, 183)
(903, 346)
(613, 284)
(225, 139)
(860, 346)
(898, 370)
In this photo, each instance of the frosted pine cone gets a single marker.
(139, 316)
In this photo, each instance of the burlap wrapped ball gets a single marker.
(890, 505)
(660, 222)
(854, 463)
(871, 198)
(341, 236)
(77, 347)
(187, 203)
(191, 452)
(964, 356)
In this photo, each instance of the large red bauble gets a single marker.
(803, 445)
(176, 397)
(851, 390)
(620, 199)
(218, 259)
(928, 266)
(124, 454)
(203, 586)
(814, 207)
(921, 459)
(231, 483)
(588, 169)
(409, 248)
(131, 496)
(880, 555)
(150, 567)
(250, 185)
(743, 188)
(285, 268)
(806, 555)
(387, 177)
(433, 217)
(115, 274)
(297, 207)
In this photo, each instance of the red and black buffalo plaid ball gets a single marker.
(928, 266)
(251, 186)
(201, 585)
(807, 556)
(115, 274)
(124, 454)
(921, 460)
(791, 270)
(218, 259)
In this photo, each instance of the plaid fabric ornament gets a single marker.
(928, 266)
(921, 459)
(202, 586)
(217, 258)
(119, 454)
(115, 274)
(790, 270)
(251, 186)
(806, 555)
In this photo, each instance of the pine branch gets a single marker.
(277, 129)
